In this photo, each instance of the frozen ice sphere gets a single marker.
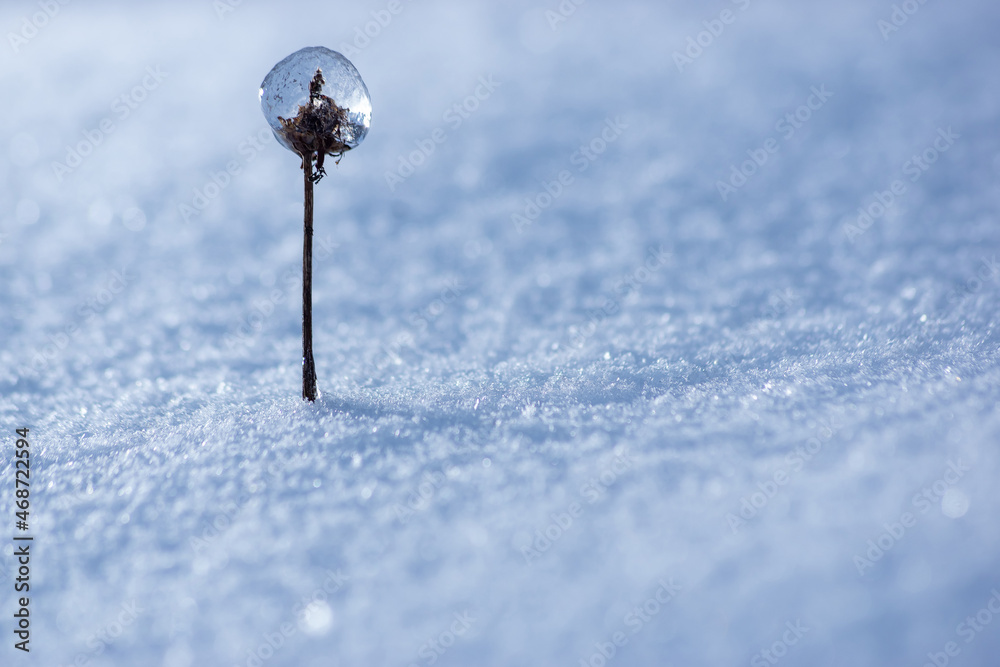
(315, 102)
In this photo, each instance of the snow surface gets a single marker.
(188, 508)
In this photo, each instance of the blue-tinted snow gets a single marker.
(630, 374)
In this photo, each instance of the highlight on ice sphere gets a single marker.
(316, 104)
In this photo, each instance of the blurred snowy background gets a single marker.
(591, 395)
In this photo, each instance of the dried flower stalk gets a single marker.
(315, 132)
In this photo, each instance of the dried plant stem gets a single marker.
(308, 365)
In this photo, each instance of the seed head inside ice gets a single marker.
(316, 103)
